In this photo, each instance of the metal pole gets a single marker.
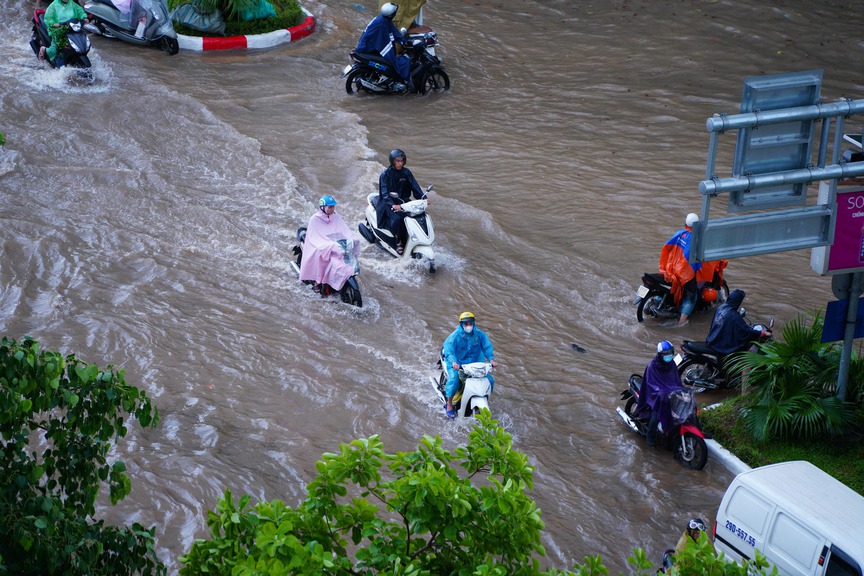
(849, 334)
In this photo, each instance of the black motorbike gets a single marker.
(374, 74)
(147, 24)
(71, 52)
(686, 439)
(702, 368)
(654, 298)
(350, 291)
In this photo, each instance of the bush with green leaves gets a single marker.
(2, 139)
(59, 417)
(424, 512)
(791, 383)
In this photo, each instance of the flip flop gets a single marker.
(451, 414)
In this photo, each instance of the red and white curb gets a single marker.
(248, 41)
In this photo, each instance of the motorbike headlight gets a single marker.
(75, 26)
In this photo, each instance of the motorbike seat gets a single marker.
(698, 348)
(653, 279)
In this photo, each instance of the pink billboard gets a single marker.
(847, 251)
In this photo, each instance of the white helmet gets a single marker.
(691, 219)
(388, 9)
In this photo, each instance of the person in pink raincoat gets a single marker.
(330, 250)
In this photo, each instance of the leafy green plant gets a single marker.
(424, 512)
(791, 382)
(2, 139)
(58, 417)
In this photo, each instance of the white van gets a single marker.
(806, 522)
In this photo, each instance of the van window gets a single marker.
(794, 542)
(840, 564)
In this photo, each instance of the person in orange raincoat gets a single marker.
(677, 270)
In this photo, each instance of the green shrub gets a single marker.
(48, 489)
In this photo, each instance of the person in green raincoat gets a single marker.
(59, 11)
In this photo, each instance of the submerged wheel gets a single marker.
(648, 305)
(170, 45)
(699, 374)
(628, 407)
(351, 293)
(436, 80)
(352, 82)
(692, 452)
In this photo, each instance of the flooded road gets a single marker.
(148, 220)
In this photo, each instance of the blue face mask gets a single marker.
(668, 358)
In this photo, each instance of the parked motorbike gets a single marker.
(421, 233)
(72, 53)
(147, 24)
(376, 75)
(474, 393)
(686, 438)
(350, 291)
(701, 368)
(654, 299)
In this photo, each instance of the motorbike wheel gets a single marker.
(366, 233)
(170, 45)
(351, 293)
(699, 375)
(436, 80)
(648, 305)
(628, 407)
(694, 452)
(352, 82)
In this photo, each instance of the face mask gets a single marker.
(468, 328)
(668, 358)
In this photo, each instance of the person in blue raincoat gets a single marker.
(465, 345)
(380, 37)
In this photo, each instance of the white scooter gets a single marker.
(421, 233)
(475, 391)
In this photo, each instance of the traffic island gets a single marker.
(249, 41)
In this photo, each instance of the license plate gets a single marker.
(642, 291)
(346, 69)
(678, 359)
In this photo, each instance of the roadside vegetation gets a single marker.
(788, 407)
(288, 14)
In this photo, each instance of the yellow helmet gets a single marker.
(466, 316)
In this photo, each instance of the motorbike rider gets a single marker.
(395, 186)
(729, 331)
(380, 37)
(323, 259)
(659, 380)
(676, 268)
(466, 344)
(59, 11)
(695, 529)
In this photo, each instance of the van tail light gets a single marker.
(714, 530)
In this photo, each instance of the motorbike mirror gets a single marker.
(394, 195)
(429, 188)
(742, 311)
(403, 30)
(771, 324)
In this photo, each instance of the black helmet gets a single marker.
(696, 524)
(397, 153)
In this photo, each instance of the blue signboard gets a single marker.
(835, 320)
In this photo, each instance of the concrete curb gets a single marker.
(249, 41)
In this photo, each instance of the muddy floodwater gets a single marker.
(148, 220)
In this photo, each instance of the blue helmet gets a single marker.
(326, 200)
(665, 347)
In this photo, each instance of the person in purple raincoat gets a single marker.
(660, 378)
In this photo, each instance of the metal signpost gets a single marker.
(772, 169)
